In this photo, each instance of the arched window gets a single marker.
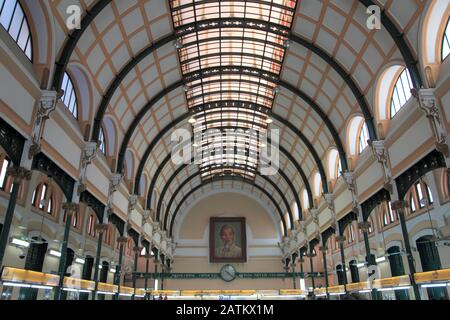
(333, 245)
(91, 225)
(363, 137)
(288, 221)
(42, 198)
(75, 219)
(334, 164)
(295, 212)
(317, 185)
(401, 93)
(102, 141)
(350, 234)
(412, 203)
(107, 236)
(5, 181)
(13, 19)
(70, 97)
(143, 251)
(305, 199)
(129, 247)
(371, 227)
(446, 41)
(388, 215)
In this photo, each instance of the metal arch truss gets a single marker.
(252, 183)
(174, 175)
(281, 148)
(97, 8)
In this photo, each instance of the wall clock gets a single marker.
(228, 273)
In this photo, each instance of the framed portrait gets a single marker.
(227, 240)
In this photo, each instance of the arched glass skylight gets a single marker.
(70, 97)
(13, 19)
(401, 93)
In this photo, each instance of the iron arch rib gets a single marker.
(280, 212)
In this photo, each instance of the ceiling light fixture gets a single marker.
(20, 242)
(192, 120)
(178, 44)
(54, 253)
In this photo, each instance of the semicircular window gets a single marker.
(446, 41)
(70, 97)
(102, 141)
(401, 93)
(231, 64)
(13, 19)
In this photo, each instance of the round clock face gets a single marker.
(228, 273)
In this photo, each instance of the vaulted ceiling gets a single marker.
(308, 66)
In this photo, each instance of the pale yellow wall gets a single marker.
(228, 205)
(195, 226)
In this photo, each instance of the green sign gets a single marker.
(243, 275)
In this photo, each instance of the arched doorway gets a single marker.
(87, 274)
(340, 274)
(397, 269)
(34, 261)
(103, 277)
(429, 258)
(354, 272)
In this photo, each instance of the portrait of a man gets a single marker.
(227, 240)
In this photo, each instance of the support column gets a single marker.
(69, 208)
(122, 241)
(364, 226)
(101, 228)
(399, 206)
(293, 272)
(313, 281)
(341, 239)
(137, 250)
(18, 174)
(323, 249)
(147, 265)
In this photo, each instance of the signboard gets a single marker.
(243, 275)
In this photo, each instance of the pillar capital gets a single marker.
(18, 174)
(114, 181)
(340, 239)
(399, 204)
(89, 152)
(101, 227)
(70, 207)
(137, 249)
(122, 240)
(364, 226)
